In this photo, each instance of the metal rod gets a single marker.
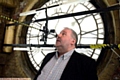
(92, 46)
(115, 52)
(103, 10)
(47, 7)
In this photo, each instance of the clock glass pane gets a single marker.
(89, 27)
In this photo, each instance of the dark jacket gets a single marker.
(79, 67)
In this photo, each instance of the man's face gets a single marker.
(64, 39)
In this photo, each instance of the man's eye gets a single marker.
(63, 33)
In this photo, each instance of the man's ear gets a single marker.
(73, 41)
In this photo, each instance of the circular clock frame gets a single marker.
(80, 31)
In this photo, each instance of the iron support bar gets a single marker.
(102, 10)
(92, 46)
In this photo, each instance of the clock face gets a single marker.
(89, 27)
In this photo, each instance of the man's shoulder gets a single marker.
(83, 56)
(48, 57)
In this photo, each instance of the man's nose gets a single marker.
(58, 35)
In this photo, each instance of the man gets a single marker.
(66, 63)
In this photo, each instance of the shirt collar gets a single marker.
(66, 55)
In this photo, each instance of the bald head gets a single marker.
(73, 34)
